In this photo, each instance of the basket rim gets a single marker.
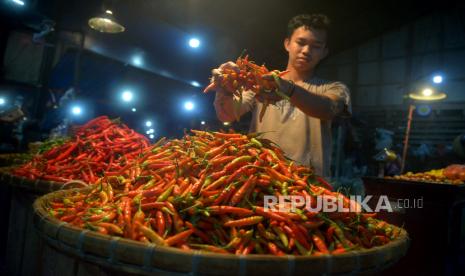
(35, 185)
(39, 210)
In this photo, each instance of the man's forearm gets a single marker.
(224, 106)
(314, 105)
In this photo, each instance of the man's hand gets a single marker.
(217, 77)
(284, 90)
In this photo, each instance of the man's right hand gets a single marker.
(217, 77)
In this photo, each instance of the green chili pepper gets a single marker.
(282, 236)
(137, 199)
(301, 214)
(284, 189)
(242, 159)
(165, 194)
(149, 184)
(159, 142)
(273, 154)
(256, 142)
(67, 202)
(301, 249)
(259, 248)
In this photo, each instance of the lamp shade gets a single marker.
(427, 94)
(106, 23)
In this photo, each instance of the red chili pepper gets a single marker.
(220, 210)
(320, 244)
(324, 183)
(274, 249)
(199, 233)
(216, 184)
(160, 223)
(268, 213)
(244, 222)
(112, 228)
(302, 237)
(330, 233)
(278, 175)
(178, 237)
(239, 195)
(338, 251)
(219, 160)
(65, 154)
(152, 235)
(168, 223)
(68, 218)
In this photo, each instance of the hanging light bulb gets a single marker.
(106, 23)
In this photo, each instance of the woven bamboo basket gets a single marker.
(37, 186)
(24, 248)
(9, 159)
(135, 257)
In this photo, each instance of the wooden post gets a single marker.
(407, 134)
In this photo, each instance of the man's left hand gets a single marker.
(284, 89)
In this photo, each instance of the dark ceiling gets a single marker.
(157, 31)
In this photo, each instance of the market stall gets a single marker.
(430, 206)
(232, 138)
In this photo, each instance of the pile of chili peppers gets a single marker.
(99, 147)
(452, 174)
(206, 192)
(248, 77)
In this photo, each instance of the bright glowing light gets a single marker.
(137, 60)
(127, 96)
(18, 2)
(134, 109)
(202, 122)
(109, 12)
(148, 124)
(195, 84)
(226, 123)
(194, 42)
(427, 92)
(151, 130)
(2, 101)
(437, 79)
(76, 110)
(151, 136)
(189, 105)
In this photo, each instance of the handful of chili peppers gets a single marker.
(100, 146)
(247, 77)
(206, 192)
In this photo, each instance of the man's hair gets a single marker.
(314, 21)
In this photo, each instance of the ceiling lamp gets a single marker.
(427, 94)
(106, 23)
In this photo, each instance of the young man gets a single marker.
(301, 126)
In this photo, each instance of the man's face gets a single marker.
(306, 48)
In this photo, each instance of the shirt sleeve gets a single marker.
(342, 107)
(225, 105)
